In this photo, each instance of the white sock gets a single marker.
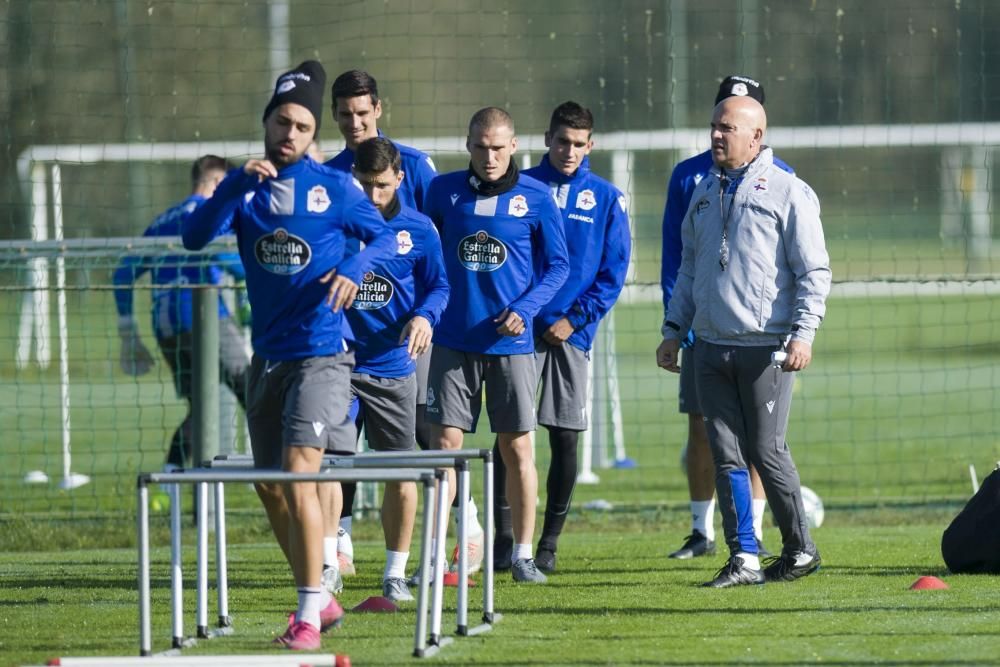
(703, 517)
(310, 600)
(324, 598)
(751, 561)
(475, 529)
(520, 552)
(395, 564)
(346, 523)
(758, 517)
(329, 551)
(344, 544)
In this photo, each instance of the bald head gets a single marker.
(738, 126)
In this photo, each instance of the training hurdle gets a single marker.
(436, 459)
(204, 476)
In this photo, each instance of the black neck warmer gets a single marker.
(392, 210)
(497, 187)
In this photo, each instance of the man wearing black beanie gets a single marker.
(291, 216)
(697, 457)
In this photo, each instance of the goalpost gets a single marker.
(967, 157)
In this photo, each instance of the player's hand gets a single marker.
(134, 359)
(668, 354)
(262, 168)
(559, 332)
(799, 355)
(419, 332)
(342, 290)
(511, 323)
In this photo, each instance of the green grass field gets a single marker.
(899, 401)
(616, 600)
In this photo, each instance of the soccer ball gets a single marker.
(813, 505)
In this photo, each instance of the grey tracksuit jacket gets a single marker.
(777, 273)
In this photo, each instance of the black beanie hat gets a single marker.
(304, 85)
(737, 85)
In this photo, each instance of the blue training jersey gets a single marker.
(596, 227)
(394, 291)
(683, 180)
(418, 172)
(291, 231)
(491, 247)
(171, 299)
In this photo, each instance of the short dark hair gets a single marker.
(375, 155)
(489, 117)
(208, 163)
(572, 115)
(354, 83)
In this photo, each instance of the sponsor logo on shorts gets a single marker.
(482, 252)
(282, 253)
(374, 292)
(318, 428)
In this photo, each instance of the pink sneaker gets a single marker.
(330, 617)
(300, 637)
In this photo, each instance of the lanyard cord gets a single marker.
(724, 184)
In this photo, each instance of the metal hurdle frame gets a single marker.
(435, 459)
(202, 477)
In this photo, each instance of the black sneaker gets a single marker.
(503, 549)
(762, 550)
(695, 544)
(545, 560)
(789, 567)
(735, 573)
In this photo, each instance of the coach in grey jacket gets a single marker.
(753, 281)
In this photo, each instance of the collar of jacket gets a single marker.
(764, 159)
(552, 175)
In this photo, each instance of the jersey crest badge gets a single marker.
(404, 243)
(317, 201)
(585, 200)
(518, 206)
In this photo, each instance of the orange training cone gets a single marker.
(928, 584)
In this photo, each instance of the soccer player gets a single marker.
(697, 454)
(356, 109)
(753, 281)
(496, 226)
(171, 312)
(596, 227)
(291, 228)
(393, 317)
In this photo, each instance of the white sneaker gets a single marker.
(332, 581)
(345, 553)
